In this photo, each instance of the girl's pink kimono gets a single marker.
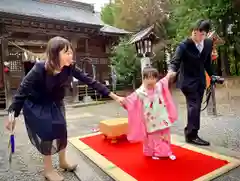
(150, 116)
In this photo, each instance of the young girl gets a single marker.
(41, 96)
(151, 113)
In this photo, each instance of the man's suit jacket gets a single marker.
(191, 64)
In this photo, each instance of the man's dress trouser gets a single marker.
(194, 101)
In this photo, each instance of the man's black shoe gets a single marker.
(197, 141)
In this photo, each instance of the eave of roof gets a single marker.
(107, 29)
(140, 35)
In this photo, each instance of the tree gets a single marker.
(136, 15)
(173, 19)
(221, 12)
(126, 63)
(107, 14)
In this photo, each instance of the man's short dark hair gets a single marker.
(202, 25)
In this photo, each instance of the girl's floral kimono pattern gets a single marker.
(151, 113)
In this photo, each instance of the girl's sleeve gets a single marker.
(130, 101)
(136, 127)
(83, 77)
(168, 99)
(24, 89)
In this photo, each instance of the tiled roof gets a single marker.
(34, 8)
(141, 35)
(49, 11)
(111, 29)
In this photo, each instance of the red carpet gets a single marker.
(189, 165)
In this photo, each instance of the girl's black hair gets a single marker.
(150, 72)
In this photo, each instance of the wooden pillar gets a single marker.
(75, 91)
(1, 70)
(86, 98)
(86, 45)
(7, 87)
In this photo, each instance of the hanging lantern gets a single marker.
(216, 41)
(6, 70)
(214, 54)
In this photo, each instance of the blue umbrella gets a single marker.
(11, 144)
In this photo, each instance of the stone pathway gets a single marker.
(27, 162)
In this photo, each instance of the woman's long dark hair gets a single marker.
(54, 47)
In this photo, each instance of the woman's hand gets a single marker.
(117, 98)
(10, 124)
(120, 100)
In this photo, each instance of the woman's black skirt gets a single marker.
(46, 126)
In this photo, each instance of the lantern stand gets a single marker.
(87, 98)
(114, 78)
(144, 41)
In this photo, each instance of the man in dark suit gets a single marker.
(192, 57)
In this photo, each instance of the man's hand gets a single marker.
(171, 75)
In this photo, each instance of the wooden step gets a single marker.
(2, 99)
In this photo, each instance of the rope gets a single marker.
(29, 52)
(25, 50)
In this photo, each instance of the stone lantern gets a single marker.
(144, 41)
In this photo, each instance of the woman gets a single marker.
(41, 96)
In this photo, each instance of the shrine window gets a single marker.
(15, 61)
(81, 45)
